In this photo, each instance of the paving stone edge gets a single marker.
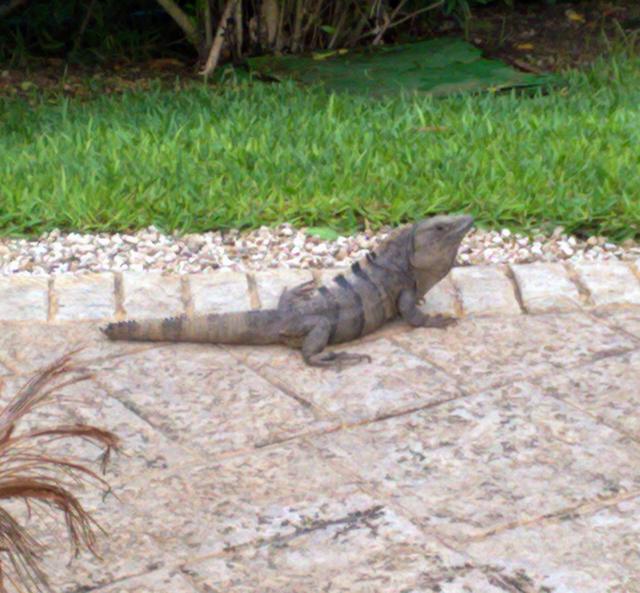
(470, 290)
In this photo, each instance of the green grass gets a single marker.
(262, 154)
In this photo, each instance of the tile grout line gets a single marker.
(381, 493)
(586, 508)
(517, 292)
(635, 269)
(186, 296)
(118, 294)
(120, 579)
(426, 359)
(282, 388)
(595, 418)
(586, 299)
(252, 287)
(589, 360)
(583, 292)
(188, 577)
(138, 413)
(593, 315)
(52, 300)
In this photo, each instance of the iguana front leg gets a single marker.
(408, 308)
(316, 331)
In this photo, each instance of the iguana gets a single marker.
(386, 283)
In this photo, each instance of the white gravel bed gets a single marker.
(279, 247)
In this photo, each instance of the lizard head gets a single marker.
(435, 243)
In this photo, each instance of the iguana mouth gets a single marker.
(466, 222)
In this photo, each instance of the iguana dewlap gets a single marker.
(386, 283)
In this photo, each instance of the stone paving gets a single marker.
(501, 455)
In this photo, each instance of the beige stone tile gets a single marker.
(219, 292)
(586, 553)
(608, 389)
(151, 294)
(142, 447)
(84, 296)
(627, 319)
(278, 491)
(271, 284)
(5, 370)
(393, 382)
(125, 549)
(546, 287)
(609, 283)
(24, 298)
(489, 351)
(161, 581)
(26, 347)
(485, 290)
(201, 396)
(442, 299)
(478, 464)
(370, 551)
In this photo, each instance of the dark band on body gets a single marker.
(371, 260)
(343, 283)
(332, 306)
(172, 328)
(361, 273)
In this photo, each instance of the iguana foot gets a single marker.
(417, 318)
(337, 359)
(438, 321)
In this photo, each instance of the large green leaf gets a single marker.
(437, 67)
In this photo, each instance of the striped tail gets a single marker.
(247, 327)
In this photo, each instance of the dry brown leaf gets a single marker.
(30, 474)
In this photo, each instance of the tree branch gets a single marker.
(183, 21)
(216, 46)
(10, 6)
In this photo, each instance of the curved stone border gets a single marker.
(475, 290)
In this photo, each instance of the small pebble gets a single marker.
(278, 247)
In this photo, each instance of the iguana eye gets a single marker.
(439, 227)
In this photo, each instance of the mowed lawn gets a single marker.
(254, 153)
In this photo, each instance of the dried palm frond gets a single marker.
(29, 474)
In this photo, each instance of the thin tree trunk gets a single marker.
(269, 15)
(296, 42)
(216, 46)
(239, 29)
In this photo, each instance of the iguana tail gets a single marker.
(247, 327)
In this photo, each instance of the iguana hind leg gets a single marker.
(316, 341)
(302, 292)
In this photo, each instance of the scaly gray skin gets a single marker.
(385, 284)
